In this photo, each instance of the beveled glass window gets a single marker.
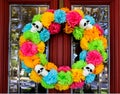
(101, 15)
(19, 81)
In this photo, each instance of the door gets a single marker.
(61, 45)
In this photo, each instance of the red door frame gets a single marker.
(114, 37)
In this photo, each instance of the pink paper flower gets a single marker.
(54, 28)
(94, 57)
(50, 10)
(28, 49)
(73, 18)
(64, 68)
(77, 85)
(99, 28)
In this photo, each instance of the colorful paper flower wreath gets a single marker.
(93, 43)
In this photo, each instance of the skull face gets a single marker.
(41, 70)
(85, 24)
(88, 69)
(36, 26)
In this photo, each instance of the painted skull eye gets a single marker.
(90, 70)
(88, 21)
(38, 71)
(33, 23)
(37, 26)
(41, 69)
(87, 68)
(84, 24)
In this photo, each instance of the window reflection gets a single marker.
(101, 83)
(20, 15)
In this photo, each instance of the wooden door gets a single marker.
(60, 51)
(114, 36)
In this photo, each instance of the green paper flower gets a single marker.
(34, 37)
(36, 18)
(65, 78)
(43, 59)
(78, 33)
(79, 64)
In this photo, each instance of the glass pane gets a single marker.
(20, 15)
(101, 15)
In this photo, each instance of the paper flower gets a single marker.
(47, 18)
(65, 78)
(81, 13)
(65, 9)
(34, 37)
(27, 70)
(99, 28)
(41, 47)
(28, 49)
(79, 64)
(68, 29)
(36, 18)
(43, 59)
(50, 66)
(61, 87)
(47, 86)
(96, 45)
(94, 57)
(59, 16)
(50, 10)
(92, 34)
(22, 40)
(51, 78)
(104, 55)
(31, 61)
(99, 68)
(27, 27)
(84, 43)
(104, 41)
(90, 18)
(77, 85)
(78, 33)
(35, 77)
(44, 35)
(73, 18)
(90, 78)
(82, 55)
(77, 75)
(54, 28)
(64, 68)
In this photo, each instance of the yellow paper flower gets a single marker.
(61, 87)
(50, 66)
(47, 19)
(41, 47)
(65, 9)
(80, 12)
(104, 40)
(92, 34)
(77, 75)
(98, 69)
(35, 77)
(68, 29)
(84, 43)
(22, 40)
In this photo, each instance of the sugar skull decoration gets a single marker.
(36, 26)
(93, 43)
(88, 69)
(40, 70)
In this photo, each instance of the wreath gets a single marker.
(93, 43)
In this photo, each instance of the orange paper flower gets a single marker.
(84, 43)
(50, 66)
(65, 9)
(99, 69)
(77, 75)
(104, 40)
(41, 47)
(68, 29)
(61, 87)
(35, 77)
